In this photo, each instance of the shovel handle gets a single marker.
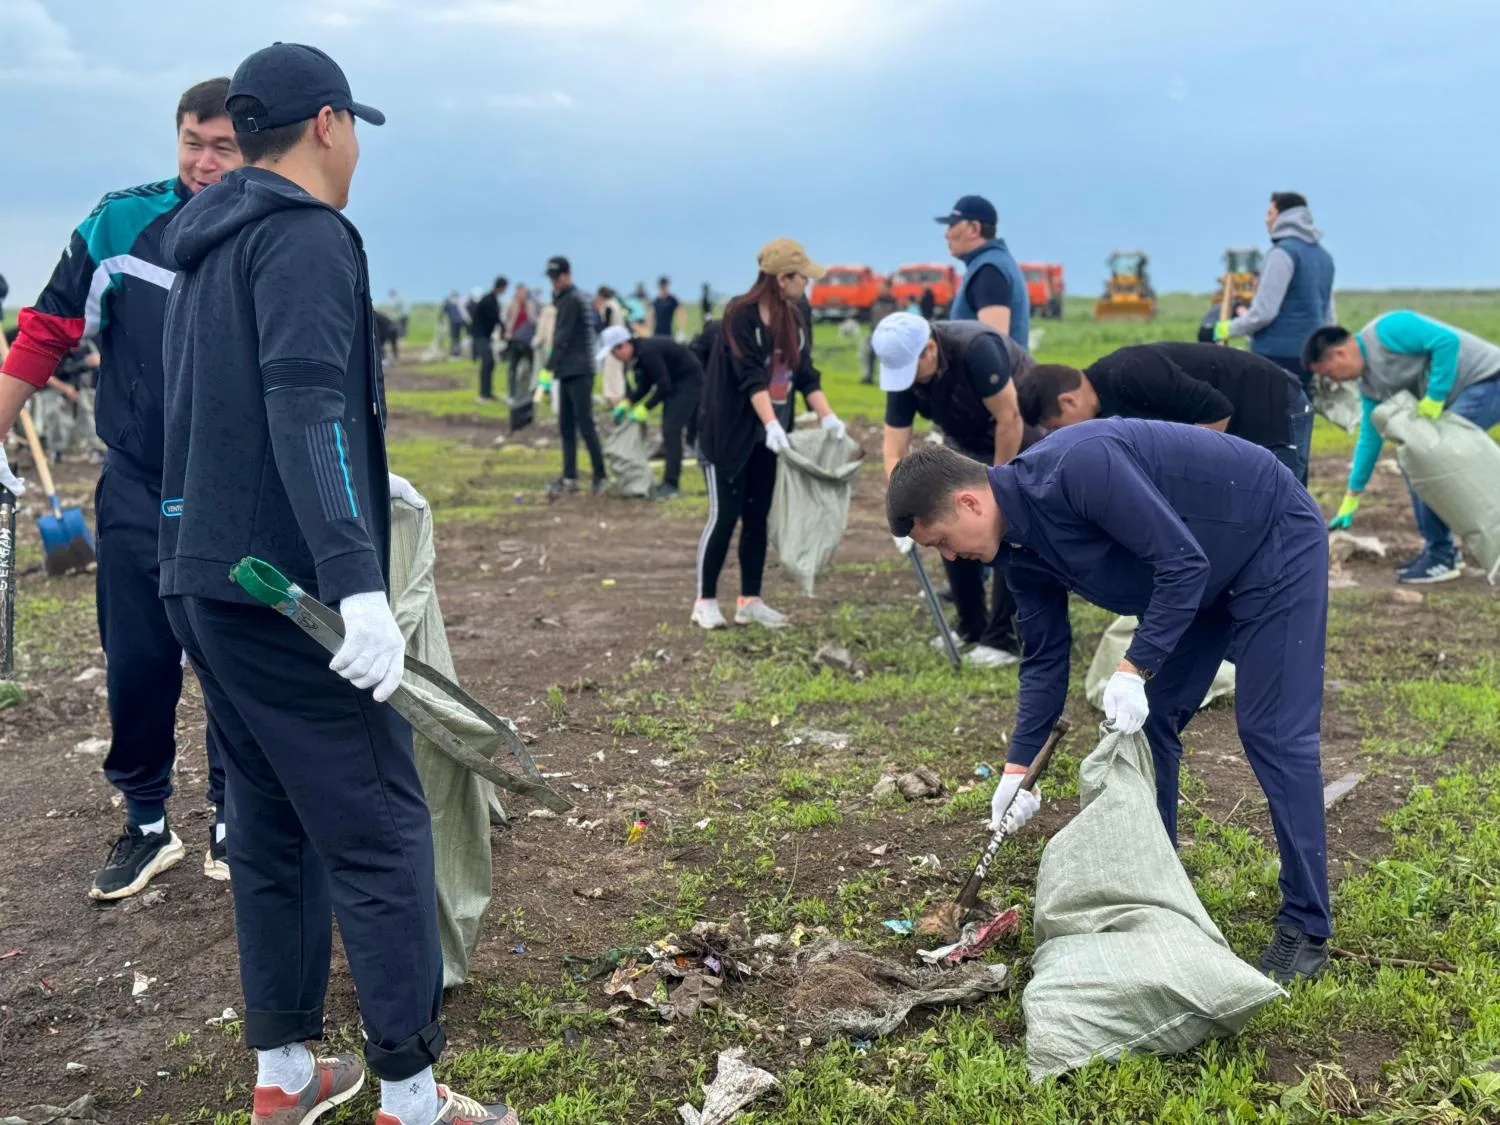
(43, 470)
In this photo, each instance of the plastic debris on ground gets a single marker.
(914, 785)
(80, 1112)
(678, 975)
(1343, 548)
(974, 939)
(901, 926)
(842, 989)
(735, 1086)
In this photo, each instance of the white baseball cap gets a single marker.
(898, 340)
(610, 339)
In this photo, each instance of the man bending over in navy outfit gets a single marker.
(1220, 552)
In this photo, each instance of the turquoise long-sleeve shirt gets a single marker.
(1408, 333)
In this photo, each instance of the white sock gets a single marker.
(412, 1101)
(290, 1067)
(154, 827)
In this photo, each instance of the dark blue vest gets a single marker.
(1304, 309)
(994, 253)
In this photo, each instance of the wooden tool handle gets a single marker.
(1044, 755)
(37, 455)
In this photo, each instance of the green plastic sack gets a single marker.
(810, 507)
(1126, 957)
(459, 801)
(1454, 466)
(1111, 651)
(627, 454)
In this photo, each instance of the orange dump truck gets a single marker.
(844, 292)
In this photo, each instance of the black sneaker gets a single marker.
(1293, 954)
(665, 492)
(216, 859)
(135, 860)
(599, 485)
(558, 487)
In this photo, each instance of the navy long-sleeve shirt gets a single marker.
(1145, 518)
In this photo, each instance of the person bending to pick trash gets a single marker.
(760, 359)
(1225, 389)
(961, 375)
(667, 374)
(1218, 549)
(275, 416)
(1445, 368)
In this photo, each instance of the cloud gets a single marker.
(39, 51)
(552, 99)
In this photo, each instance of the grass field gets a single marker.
(781, 835)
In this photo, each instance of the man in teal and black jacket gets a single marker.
(1446, 368)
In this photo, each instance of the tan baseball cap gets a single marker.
(784, 255)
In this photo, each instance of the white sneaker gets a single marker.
(958, 643)
(983, 656)
(707, 615)
(757, 612)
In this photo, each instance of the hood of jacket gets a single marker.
(222, 210)
(1296, 222)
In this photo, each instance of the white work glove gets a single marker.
(833, 423)
(903, 543)
(1125, 706)
(401, 489)
(1022, 804)
(9, 479)
(373, 653)
(776, 439)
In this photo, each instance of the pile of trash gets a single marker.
(676, 976)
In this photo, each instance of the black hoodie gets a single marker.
(275, 412)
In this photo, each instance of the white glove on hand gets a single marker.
(1022, 803)
(833, 423)
(903, 543)
(1125, 706)
(373, 654)
(401, 489)
(776, 439)
(9, 479)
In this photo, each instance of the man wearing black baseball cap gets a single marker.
(993, 289)
(275, 448)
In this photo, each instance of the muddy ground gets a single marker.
(574, 594)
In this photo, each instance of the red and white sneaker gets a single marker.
(333, 1083)
(459, 1110)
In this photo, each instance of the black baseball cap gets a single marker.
(974, 208)
(294, 83)
(558, 266)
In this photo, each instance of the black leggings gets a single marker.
(576, 416)
(744, 499)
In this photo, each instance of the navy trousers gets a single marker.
(326, 819)
(143, 659)
(1272, 623)
(978, 624)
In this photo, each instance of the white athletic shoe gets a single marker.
(707, 615)
(757, 612)
(983, 656)
(958, 643)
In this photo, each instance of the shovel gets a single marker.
(935, 607)
(65, 536)
(267, 585)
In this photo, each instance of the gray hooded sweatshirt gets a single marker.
(1276, 274)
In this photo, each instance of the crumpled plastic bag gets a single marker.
(1111, 651)
(1454, 466)
(810, 507)
(1338, 402)
(735, 1086)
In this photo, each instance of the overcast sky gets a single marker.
(679, 135)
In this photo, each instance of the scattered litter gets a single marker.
(585, 825)
(558, 773)
(877, 851)
(92, 746)
(834, 656)
(920, 783)
(543, 622)
(1407, 597)
(541, 814)
(975, 938)
(801, 933)
(520, 948)
(88, 674)
(607, 582)
(228, 1015)
(832, 739)
(898, 925)
(1336, 791)
(637, 831)
(578, 785)
(775, 721)
(80, 1112)
(984, 771)
(735, 1086)
(884, 787)
(928, 862)
(661, 763)
(75, 1068)
(597, 892)
(700, 825)
(12, 953)
(596, 968)
(767, 941)
(141, 984)
(1344, 546)
(842, 989)
(599, 756)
